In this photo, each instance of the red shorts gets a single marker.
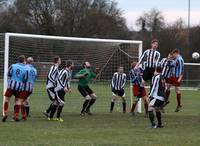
(139, 91)
(24, 94)
(10, 92)
(173, 81)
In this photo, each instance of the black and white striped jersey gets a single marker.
(167, 66)
(64, 79)
(151, 58)
(118, 81)
(52, 76)
(157, 89)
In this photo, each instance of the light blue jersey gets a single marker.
(31, 77)
(17, 76)
(179, 68)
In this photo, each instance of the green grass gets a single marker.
(103, 129)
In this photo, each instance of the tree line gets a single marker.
(96, 19)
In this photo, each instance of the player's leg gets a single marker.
(151, 110)
(92, 101)
(51, 95)
(17, 107)
(135, 90)
(112, 104)
(61, 99)
(86, 101)
(27, 107)
(159, 117)
(145, 100)
(123, 97)
(7, 96)
(178, 98)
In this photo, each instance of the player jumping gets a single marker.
(118, 83)
(176, 78)
(85, 76)
(151, 58)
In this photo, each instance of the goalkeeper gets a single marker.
(85, 75)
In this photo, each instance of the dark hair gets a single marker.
(55, 59)
(63, 65)
(69, 63)
(158, 69)
(21, 59)
(175, 51)
(154, 40)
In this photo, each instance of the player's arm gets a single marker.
(10, 70)
(81, 74)
(181, 68)
(158, 58)
(141, 59)
(132, 75)
(124, 82)
(113, 81)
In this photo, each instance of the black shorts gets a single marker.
(156, 102)
(60, 97)
(120, 93)
(85, 90)
(148, 73)
(51, 93)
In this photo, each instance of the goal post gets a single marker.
(107, 54)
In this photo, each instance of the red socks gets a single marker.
(178, 98)
(5, 107)
(146, 107)
(133, 107)
(16, 111)
(23, 111)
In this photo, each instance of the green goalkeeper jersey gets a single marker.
(89, 75)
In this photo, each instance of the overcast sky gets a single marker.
(171, 9)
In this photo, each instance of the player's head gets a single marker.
(133, 64)
(170, 55)
(29, 60)
(154, 44)
(21, 59)
(120, 69)
(57, 60)
(62, 65)
(86, 65)
(70, 64)
(158, 70)
(175, 52)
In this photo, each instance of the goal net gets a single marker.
(105, 54)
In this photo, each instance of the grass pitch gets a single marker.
(103, 129)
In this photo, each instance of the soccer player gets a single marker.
(62, 87)
(151, 58)
(176, 78)
(118, 83)
(156, 98)
(138, 88)
(51, 82)
(16, 80)
(28, 88)
(85, 76)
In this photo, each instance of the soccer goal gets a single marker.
(106, 54)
